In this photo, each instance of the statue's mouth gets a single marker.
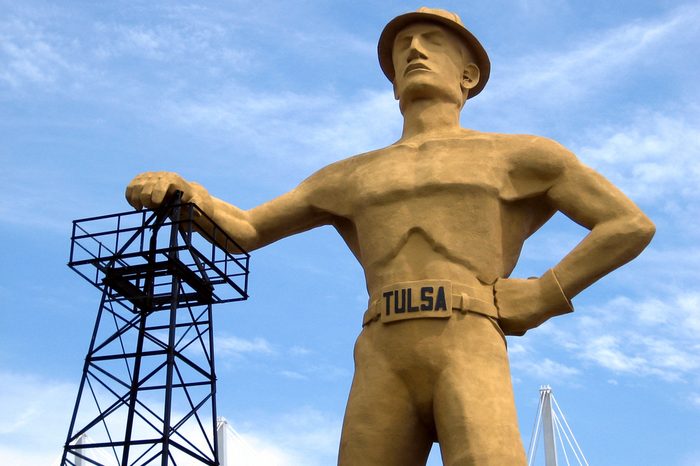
(415, 67)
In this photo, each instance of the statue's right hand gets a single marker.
(151, 189)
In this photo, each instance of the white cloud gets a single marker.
(525, 361)
(653, 157)
(25, 400)
(665, 277)
(291, 363)
(197, 69)
(626, 337)
(694, 399)
(517, 348)
(299, 350)
(642, 337)
(305, 436)
(35, 415)
(330, 42)
(305, 130)
(36, 412)
(252, 451)
(34, 202)
(40, 48)
(326, 371)
(540, 7)
(11, 455)
(605, 351)
(588, 66)
(235, 346)
(293, 375)
(30, 55)
(691, 458)
(204, 44)
(543, 369)
(35, 418)
(687, 313)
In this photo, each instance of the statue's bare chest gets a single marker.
(433, 170)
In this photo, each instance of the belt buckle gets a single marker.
(415, 300)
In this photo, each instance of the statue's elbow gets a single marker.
(642, 230)
(248, 239)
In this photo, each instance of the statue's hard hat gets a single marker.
(444, 18)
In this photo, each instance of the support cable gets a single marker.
(532, 450)
(568, 440)
(578, 448)
(558, 427)
(574, 450)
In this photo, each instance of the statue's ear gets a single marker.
(470, 77)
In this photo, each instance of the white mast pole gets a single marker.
(550, 445)
(221, 427)
(78, 460)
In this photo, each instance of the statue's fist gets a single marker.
(151, 189)
(525, 304)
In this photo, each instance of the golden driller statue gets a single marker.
(437, 220)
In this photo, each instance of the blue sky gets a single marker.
(249, 98)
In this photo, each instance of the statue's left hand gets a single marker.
(526, 303)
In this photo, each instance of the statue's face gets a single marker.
(429, 62)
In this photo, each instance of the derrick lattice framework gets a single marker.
(147, 395)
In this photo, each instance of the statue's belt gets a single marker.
(429, 299)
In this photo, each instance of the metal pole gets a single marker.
(219, 442)
(172, 328)
(149, 288)
(550, 446)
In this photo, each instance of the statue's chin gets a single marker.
(419, 90)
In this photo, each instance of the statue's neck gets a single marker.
(430, 118)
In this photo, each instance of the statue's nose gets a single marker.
(416, 50)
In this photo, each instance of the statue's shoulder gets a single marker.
(341, 169)
(509, 143)
(533, 163)
(331, 187)
(335, 176)
(534, 152)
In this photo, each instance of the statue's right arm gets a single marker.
(281, 217)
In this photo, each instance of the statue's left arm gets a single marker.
(619, 231)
